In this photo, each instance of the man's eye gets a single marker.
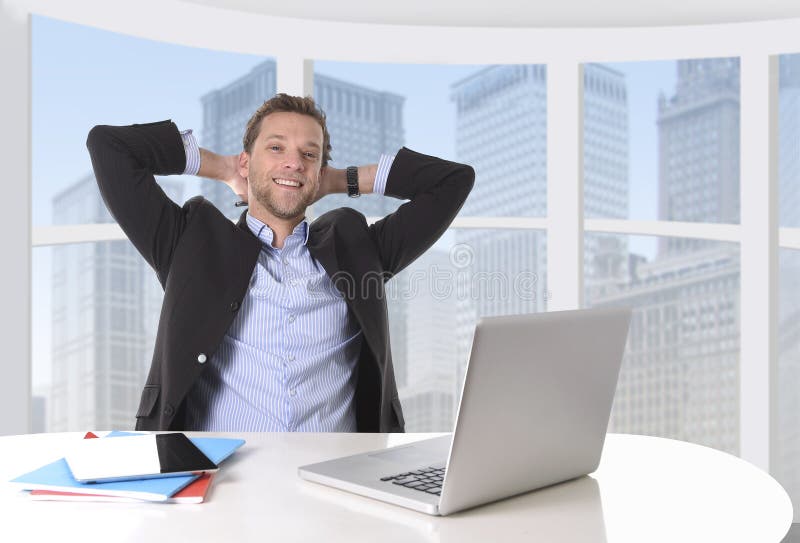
(275, 147)
(311, 155)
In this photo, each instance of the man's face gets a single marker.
(284, 166)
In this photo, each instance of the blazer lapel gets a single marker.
(322, 246)
(248, 255)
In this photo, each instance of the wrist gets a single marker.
(351, 175)
(231, 167)
(333, 181)
(217, 167)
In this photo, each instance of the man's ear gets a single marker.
(244, 164)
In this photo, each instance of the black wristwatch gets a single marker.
(352, 182)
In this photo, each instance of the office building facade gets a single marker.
(105, 306)
(680, 376)
(501, 130)
(698, 128)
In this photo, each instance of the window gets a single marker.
(680, 374)
(614, 235)
(90, 298)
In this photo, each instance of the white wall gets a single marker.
(15, 271)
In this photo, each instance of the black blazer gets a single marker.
(204, 262)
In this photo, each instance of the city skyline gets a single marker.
(61, 157)
(347, 66)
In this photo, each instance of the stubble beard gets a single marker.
(266, 194)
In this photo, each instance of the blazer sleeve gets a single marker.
(436, 190)
(125, 160)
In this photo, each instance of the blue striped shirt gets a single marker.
(288, 360)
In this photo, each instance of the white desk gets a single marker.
(646, 490)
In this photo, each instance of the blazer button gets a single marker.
(234, 306)
(201, 358)
(168, 410)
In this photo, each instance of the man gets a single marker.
(272, 324)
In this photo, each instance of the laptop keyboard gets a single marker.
(425, 480)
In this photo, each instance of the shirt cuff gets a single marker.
(384, 165)
(192, 152)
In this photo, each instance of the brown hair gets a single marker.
(291, 104)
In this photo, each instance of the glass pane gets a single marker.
(435, 303)
(787, 465)
(681, 136)
(680, 373)
(226, 110)
(82, 76)
(94, 339)
(490, 117)
(789, 140)
(95, 306)
(605, 142)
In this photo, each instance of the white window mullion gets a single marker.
(759, 257)
(295, 75)
(564, 185)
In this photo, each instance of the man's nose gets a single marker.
(294, 160)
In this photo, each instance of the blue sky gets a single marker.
(82, 76)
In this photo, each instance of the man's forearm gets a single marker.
(214, 166)
(336, 180)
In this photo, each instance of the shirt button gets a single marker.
(201, 358)
(291, 358)
(234, 306)
(285, 262)
(291, 318)
(292, 392)
(168, 410)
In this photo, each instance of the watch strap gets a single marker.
(352, 182)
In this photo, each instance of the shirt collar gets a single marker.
(264, 233)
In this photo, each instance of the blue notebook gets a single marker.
(57, 476)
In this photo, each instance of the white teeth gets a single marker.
(287, 182)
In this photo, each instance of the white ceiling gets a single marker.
(521, 13)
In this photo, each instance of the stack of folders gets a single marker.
(54, 481)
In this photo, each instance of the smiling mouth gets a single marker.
(292, 183)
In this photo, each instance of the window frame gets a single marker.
(564, 51)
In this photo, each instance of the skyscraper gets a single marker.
(680, 376)
(605, 171)
(106, 302)
(225, 114)
(425, 292)
(698, 131)
(501, 130)
(363, 123)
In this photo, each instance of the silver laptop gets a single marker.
(534, 411)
